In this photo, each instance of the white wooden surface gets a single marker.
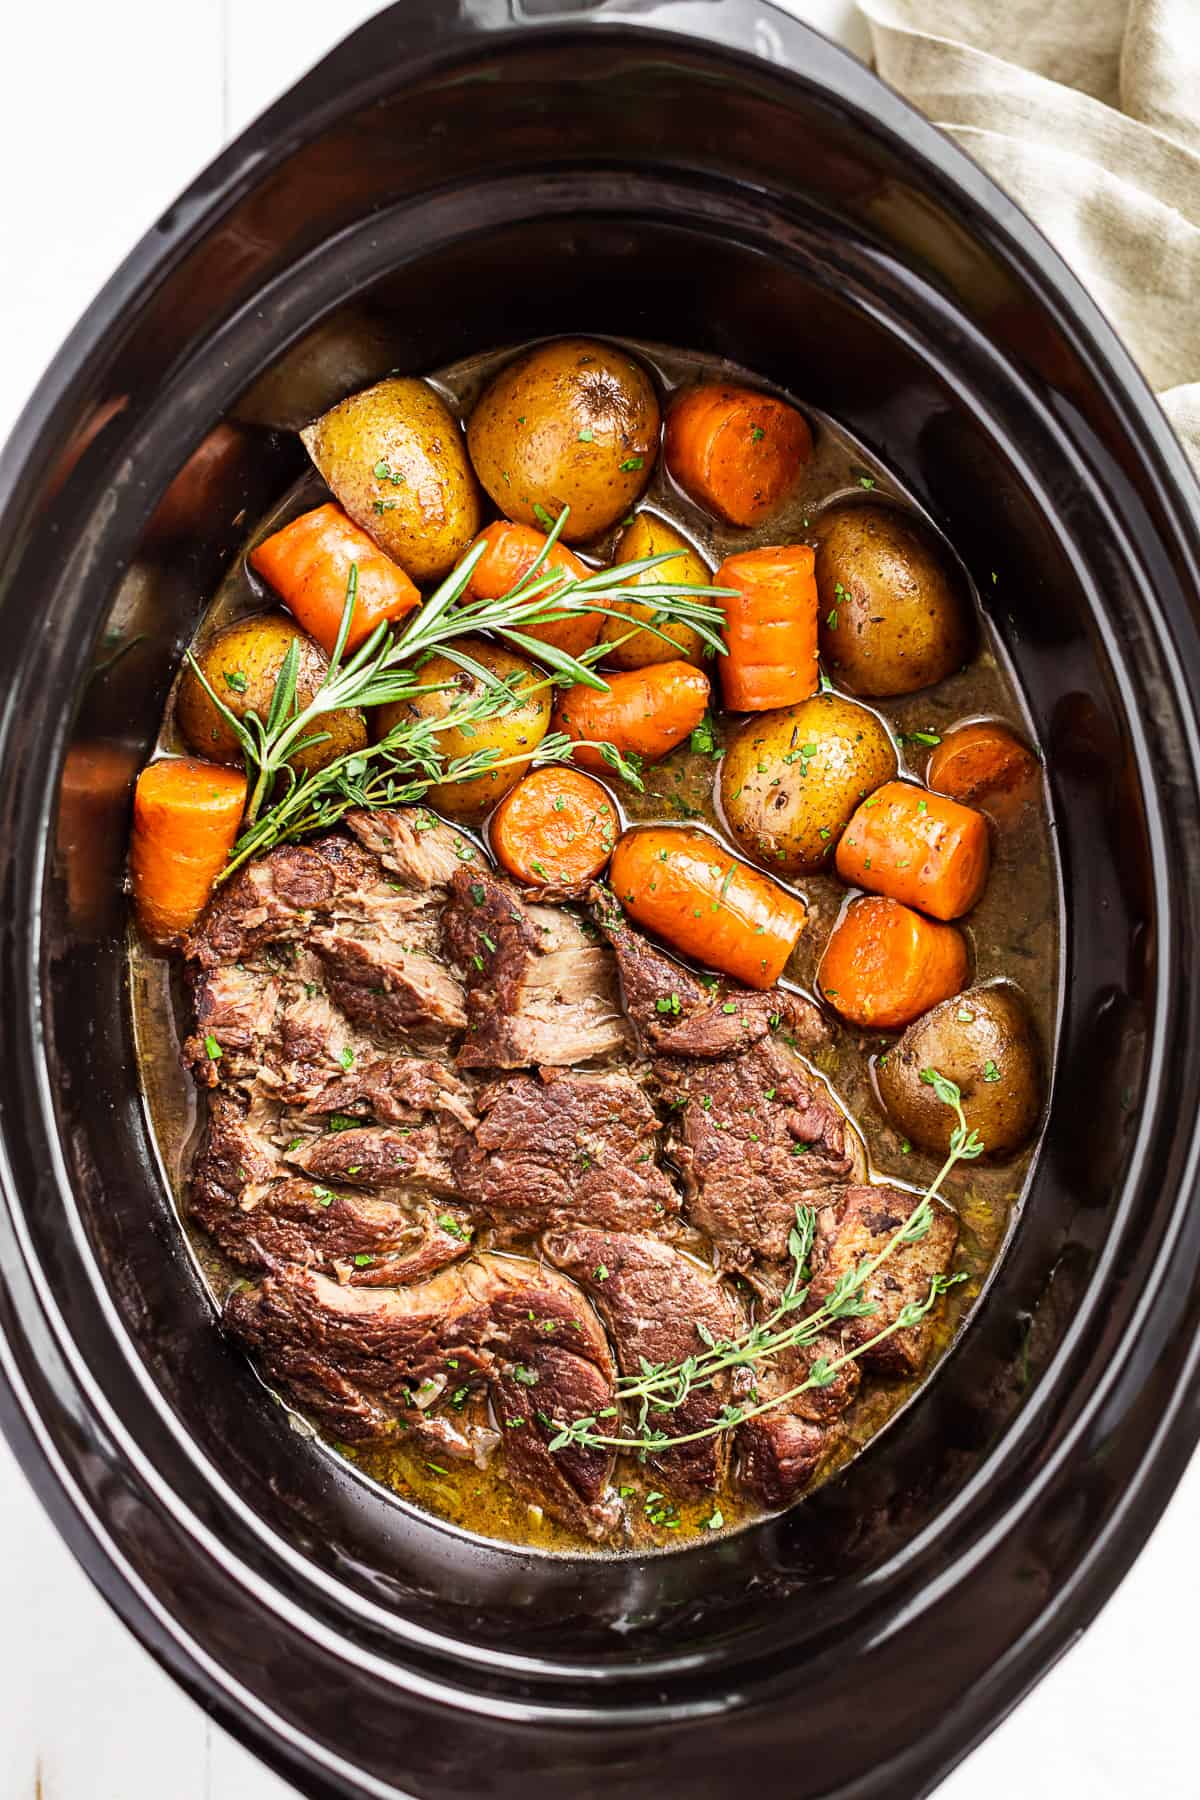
(107, 110)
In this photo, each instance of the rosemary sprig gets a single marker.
(386, 668)
(663, 1388)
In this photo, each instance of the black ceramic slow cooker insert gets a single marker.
(457, 175)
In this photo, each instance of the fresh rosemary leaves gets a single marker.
(403, 765)
(661, 1389)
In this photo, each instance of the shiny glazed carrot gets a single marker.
(557, 825)
(885, 965)
(308, 564)
(983, 764)
(770, 628)
(917, 847)
(734, 450)
(186, 816)
(510, 554)
(646, 712)
(685, 887)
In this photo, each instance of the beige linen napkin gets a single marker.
(1088, 113)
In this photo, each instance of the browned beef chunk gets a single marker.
(754, 1136)
(312, 1042)
(677, 1014)
(652, 1299)
(779, 1451)
(396, 1090)
(538, 989)
(859, 1226)
(280, 895)
(393, 993)
(235, 1012)
(420, 850)
(568, 1146)
(335, 879)
(366, 1364)
(263, 1218)
(412, 1157)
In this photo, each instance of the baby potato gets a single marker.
(393, 457)
(985, 1042)
(792, 778)
(893, 615)
(652, 536)
(509, 734)
(242, 664)
(570, 423)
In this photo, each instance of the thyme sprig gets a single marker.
(663, 1388)
(386, 668)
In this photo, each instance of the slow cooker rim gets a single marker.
(1160, 453)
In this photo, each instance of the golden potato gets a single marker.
(894, 616)
(242, 664)
(393, 457)
(792, 778)
(520, 730)
(985, 1042)
(651, 536)
(571, 423)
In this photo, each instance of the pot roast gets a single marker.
(478, 1153)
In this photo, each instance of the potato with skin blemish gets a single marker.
(517, 732)
(985, 1042)
(242, 665)
(393, 456)
(894, 615)
(792, 778)
(571, 423)
(651, 536)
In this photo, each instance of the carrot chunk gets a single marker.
(735, 451)
(685, 887)
(556, 825)
(186, 816)
(770, 628)
(510, 554)
(646, 712)
(308, 564)
(983, 764)
(884, 965)
(917, 847)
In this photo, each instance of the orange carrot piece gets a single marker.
(684, 886)
(983, 764)
(884, 965)
(308, 564)
(511, 552)
(186, 816)
(734, 450)
(770, 628)
(917, 847)
(646, 712)
(557, 825)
